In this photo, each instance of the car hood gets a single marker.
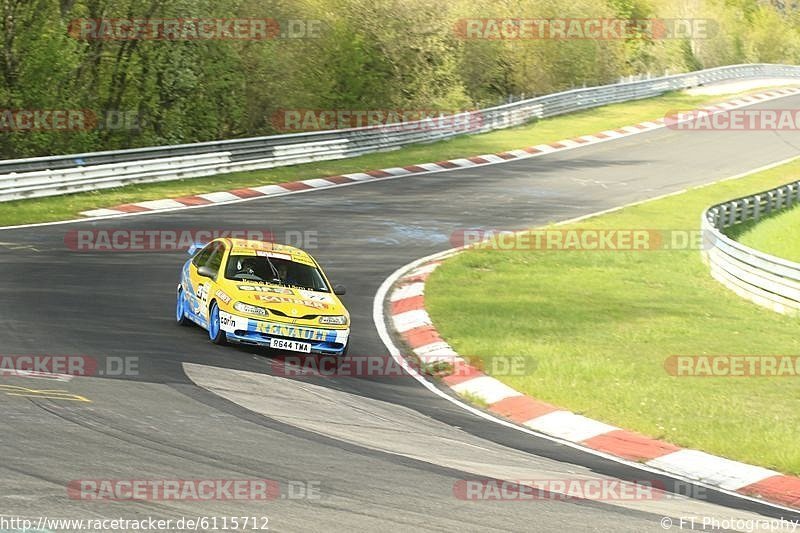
(287, 301)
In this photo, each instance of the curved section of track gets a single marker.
(385, 452)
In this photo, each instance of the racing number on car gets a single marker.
(202, 292)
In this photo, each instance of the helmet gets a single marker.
(282, 269)
(246, 265)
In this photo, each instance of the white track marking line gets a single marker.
(397, 171)
(408, 291)
(157, 205)
(464, 163)
(220, 196)
(318, 182)
(269, 190)
(100, 213)
(431, 167)
(358, 176)
(569, 426)
(487, 388)
(410, 320)
(713, 469)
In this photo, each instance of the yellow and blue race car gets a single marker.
(264, 294)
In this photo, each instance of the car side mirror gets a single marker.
(195, 247)
(206, 272)
(339, 290)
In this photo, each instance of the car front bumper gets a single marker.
(247, 330)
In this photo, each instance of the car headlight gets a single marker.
(336, 320)
(250, 309)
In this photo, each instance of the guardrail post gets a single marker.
(732, 208)
(757, 207)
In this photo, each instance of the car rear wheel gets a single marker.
(215, 332)
(180, 310)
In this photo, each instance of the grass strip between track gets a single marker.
(777, 235)
(601, 324)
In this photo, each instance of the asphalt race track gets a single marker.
(384, 453)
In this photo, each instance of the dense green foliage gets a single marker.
(367, 54)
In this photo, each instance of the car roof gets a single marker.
(269, 249)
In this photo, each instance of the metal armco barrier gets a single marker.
(49, 176)
(762, 278)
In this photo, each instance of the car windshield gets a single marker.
(275, 270)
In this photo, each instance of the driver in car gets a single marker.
(246, 266)
(283, 272)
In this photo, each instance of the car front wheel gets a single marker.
(215, 332)
(180, 310)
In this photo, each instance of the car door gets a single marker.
(201, 287)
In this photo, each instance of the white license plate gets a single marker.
(295, 346)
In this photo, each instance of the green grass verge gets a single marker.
(601, 324)
(549, 130)
(775, 235)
